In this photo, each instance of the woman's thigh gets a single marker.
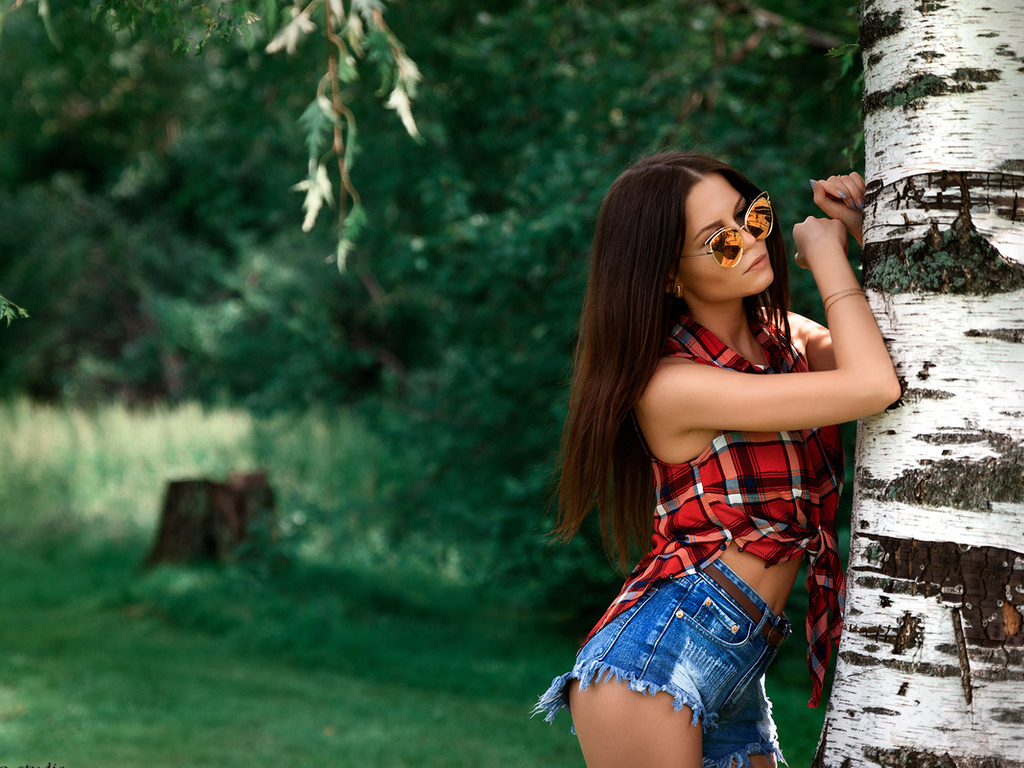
(621, 728)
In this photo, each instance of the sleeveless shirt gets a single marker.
(773, 493)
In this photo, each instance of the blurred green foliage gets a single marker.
(147, 222)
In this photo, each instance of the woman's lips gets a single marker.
(758, 263)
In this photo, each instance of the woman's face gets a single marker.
(714, 203)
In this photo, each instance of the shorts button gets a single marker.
(679, 613)
(735, 628)
(707, 601)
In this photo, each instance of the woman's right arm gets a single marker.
(683, 396)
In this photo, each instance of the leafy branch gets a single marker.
(358, 34)
(330, 126)
(10, 311)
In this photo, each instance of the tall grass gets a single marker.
(104, 469)
(109, 465)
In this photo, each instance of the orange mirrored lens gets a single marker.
(760, 218)
(727, 247)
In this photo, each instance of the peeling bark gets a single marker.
(930, 670)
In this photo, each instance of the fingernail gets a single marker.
(860, 204)
(814, 184)
(841, 194)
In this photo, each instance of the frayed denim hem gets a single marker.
(741, 757)
(557, 697)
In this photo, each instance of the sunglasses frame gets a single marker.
(737, 230)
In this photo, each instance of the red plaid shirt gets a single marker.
(773, 493)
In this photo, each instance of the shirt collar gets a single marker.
(689, 336)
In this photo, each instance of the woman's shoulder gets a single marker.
(802, 330)
(812, 341)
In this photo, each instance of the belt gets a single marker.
(773, 633)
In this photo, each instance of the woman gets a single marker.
(685, 329)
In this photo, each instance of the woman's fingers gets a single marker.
(848, 188)
(833, 198)
(842, 198)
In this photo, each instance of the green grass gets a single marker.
(92, 679)
(351, 655)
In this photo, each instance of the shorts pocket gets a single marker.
(718, 618)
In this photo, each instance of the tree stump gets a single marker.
(204, 520)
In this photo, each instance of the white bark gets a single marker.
(913, 697)
(931, 664)
(974, 130)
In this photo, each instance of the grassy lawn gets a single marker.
(104, 666)
(90, 678)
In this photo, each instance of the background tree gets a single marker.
(931, 667)
(148, 222)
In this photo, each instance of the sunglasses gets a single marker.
(726, 245)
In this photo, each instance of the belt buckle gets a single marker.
(775, 635)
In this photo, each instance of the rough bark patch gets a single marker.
(979, 581)
(970, 485)
(906, 758)
(957, 260)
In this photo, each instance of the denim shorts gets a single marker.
(690, 638)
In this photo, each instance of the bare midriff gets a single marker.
(773, 582)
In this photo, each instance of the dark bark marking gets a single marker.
(1012, 335)
(881, 711)
(907, 635)
(901, 665)
(951, 438)
(908, 94)
(957, 260)
(903, 688)
(971, 485)
(972, 580)
(1003, 49)
(915, 90)
(923, 373)
(972, 75)
(875, 26)
(908, 758)
(961, 652)
(1009, 716)
(918, 394)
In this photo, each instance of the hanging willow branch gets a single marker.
(354, 36)
(329, 123)
(9, 310)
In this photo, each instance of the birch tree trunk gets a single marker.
(931, 664)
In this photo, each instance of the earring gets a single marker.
(678, 291)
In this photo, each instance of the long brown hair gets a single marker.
(626, 316)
